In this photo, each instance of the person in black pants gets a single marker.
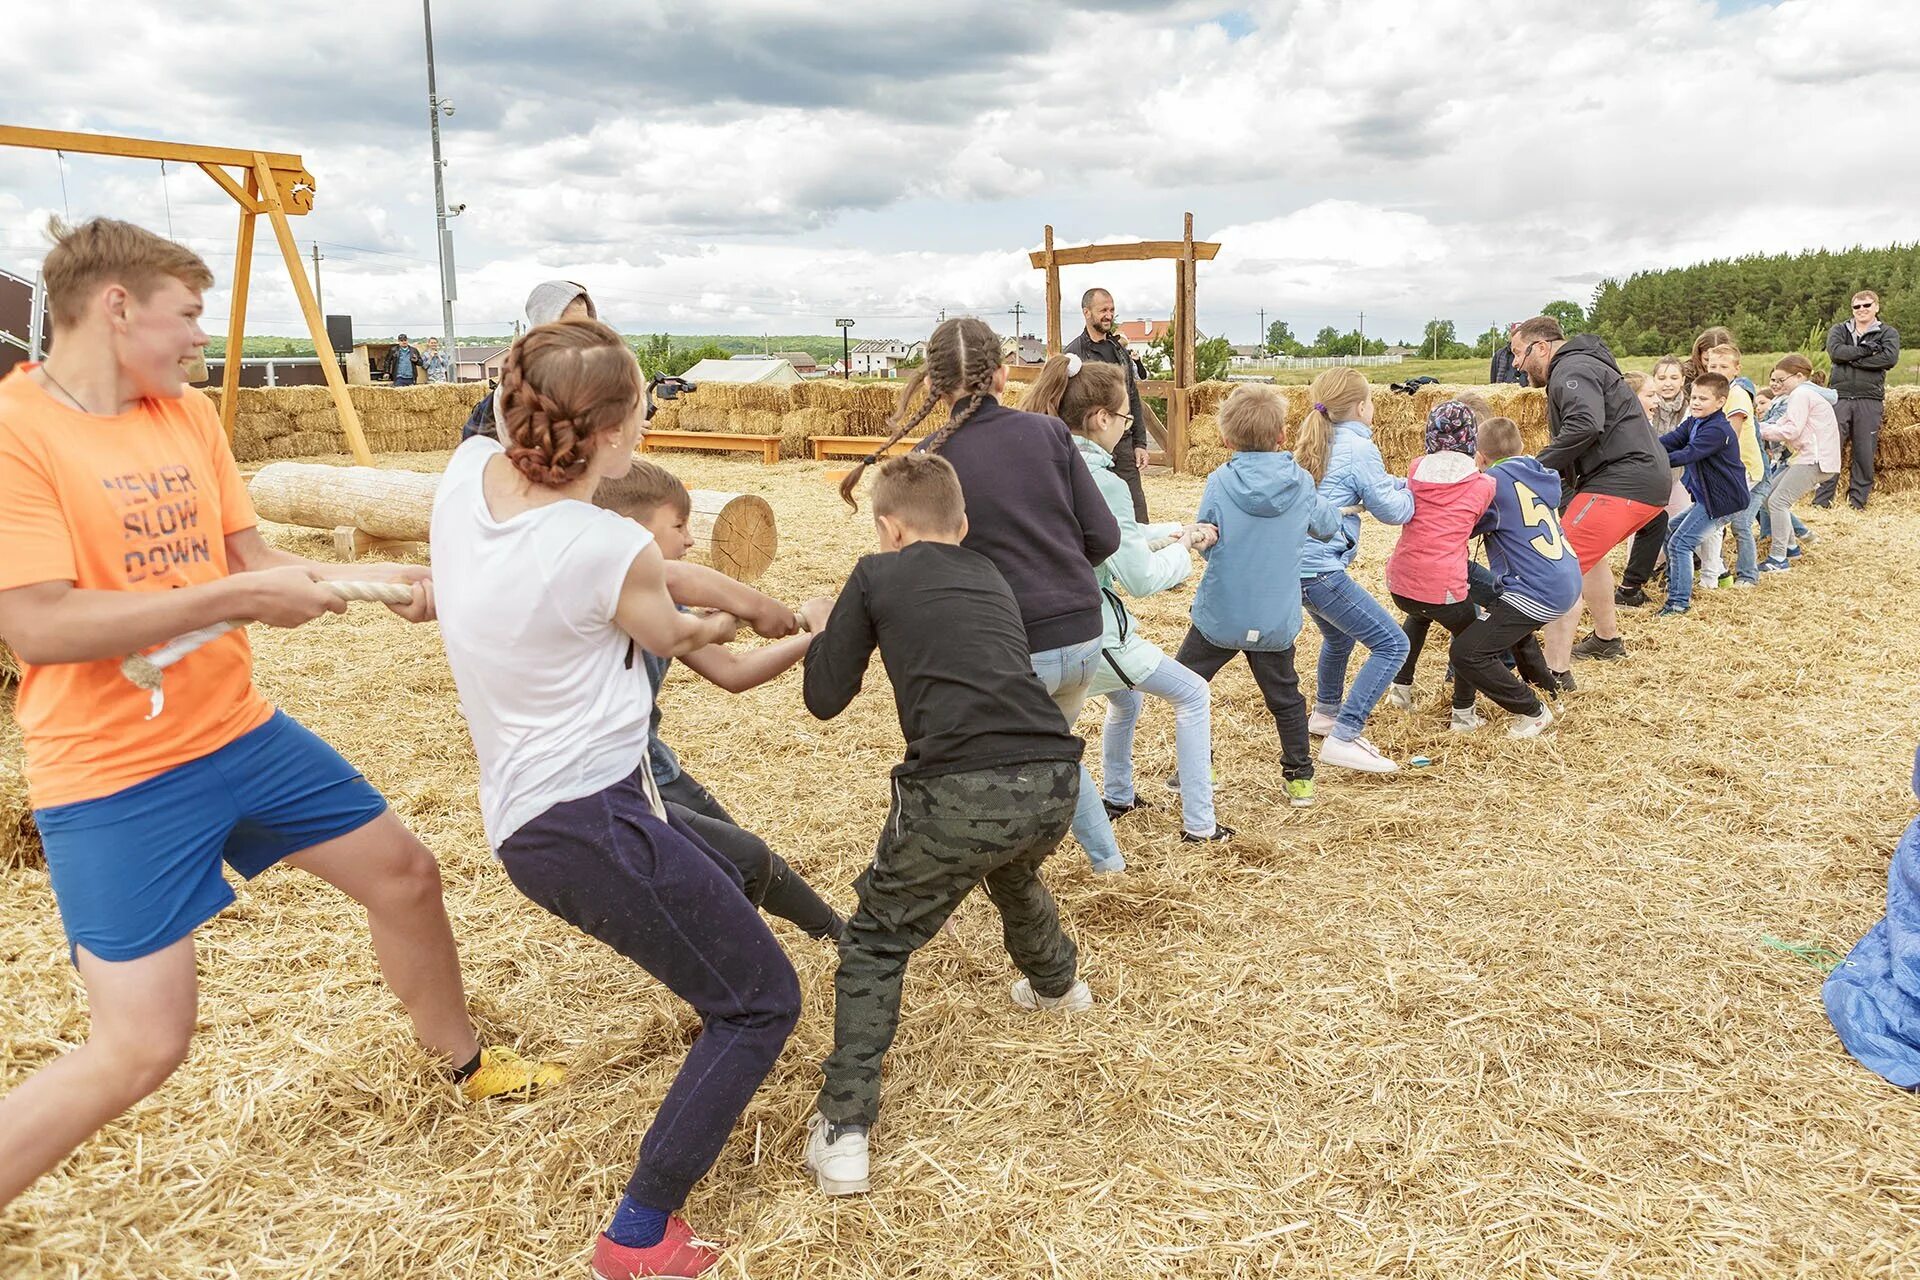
(1862, 350)
(1101, 342)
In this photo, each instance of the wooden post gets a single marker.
(1054, 346)
(237, 313)
(1177, 446)
(310, 308)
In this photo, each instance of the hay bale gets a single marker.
(1205, 398)
(1206, 451)
(9, 665)
(19, 840)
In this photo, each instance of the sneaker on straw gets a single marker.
(678, 1256)
(1076, 999)
(502, 1071)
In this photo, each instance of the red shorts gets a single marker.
(1596, 523)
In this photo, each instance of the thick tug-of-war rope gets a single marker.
(148, 670)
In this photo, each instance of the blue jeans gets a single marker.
(1192, 741)
(1347, 615)
(1066, 672)
(1683, 539)
(1746, 552)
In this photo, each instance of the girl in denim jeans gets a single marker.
(1336, 448)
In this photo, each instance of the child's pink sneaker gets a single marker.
(678, 1256)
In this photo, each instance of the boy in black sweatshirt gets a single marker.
(985, 793)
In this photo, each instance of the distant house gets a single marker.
(880, 357)
(1244, 355)
(803, 364)
(754, 369)
(480, 364)
(1025, 350)
(1141, 332)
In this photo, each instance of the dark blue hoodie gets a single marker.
(1710, 452)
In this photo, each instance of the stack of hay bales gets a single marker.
(1399, 421)
(1897, 461)
(19, 841)
(301, 422)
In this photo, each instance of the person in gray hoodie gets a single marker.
(1265, 508)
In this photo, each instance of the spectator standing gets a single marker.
(1100, 342)
(1503, 369)
(403, 362)
(1863, 349)
(435, 362)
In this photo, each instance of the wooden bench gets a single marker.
(825, 447)
(768, 447)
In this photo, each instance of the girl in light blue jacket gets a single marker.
(1336, 448)
(1092, 400)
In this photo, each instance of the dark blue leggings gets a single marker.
(657, 895)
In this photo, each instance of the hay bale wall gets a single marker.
(301, 422)
(801, 411)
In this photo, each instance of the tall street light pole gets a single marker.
(846, 349)
(445, 237)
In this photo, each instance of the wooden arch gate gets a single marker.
(272, 183)
(1184, 254)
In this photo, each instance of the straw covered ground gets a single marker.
(1511, 1015)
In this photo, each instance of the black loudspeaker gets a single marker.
(340, 334)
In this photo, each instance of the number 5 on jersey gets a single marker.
(1538, 515)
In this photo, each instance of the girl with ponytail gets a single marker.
(1033, 510)
(543, 599)
(1092, 400)
(1336, 448)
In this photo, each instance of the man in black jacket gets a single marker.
(1863, 349)
(1613, 466)
(1502, 368)
(1100, 342)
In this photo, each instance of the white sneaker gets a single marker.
(1531, 726)
(1401, 696)
(1077, 999)
(839, 1166)
(1466, 721)
(1355, 753)
(1319, 724)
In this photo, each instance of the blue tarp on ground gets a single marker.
(1874, 997)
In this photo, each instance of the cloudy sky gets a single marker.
(768, 165)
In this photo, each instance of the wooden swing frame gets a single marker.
(1184, 253)
(271, 183)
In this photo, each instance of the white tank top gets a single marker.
(554, 692)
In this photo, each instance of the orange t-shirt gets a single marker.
(142, 501)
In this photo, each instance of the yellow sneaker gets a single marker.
(504, 1071)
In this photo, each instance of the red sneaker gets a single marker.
(678, 1256)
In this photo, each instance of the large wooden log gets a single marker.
(733, 532)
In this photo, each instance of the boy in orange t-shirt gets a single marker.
(124, 523)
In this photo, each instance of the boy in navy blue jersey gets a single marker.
(1705, 445)
(1537, 575)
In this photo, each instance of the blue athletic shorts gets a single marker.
(139, 870)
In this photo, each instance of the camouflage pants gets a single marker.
(944, 835)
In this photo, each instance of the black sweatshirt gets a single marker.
(1601, 441)
(950, 637)
(1034, 510)
(1109, 351)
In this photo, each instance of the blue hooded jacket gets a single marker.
(1356, 477)
(1873, 997)
(1268, 513)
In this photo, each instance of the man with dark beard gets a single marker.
(1102, 342)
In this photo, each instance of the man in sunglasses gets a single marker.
(1863, 349)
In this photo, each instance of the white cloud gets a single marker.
(770, 165)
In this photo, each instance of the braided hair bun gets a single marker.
(564, 386)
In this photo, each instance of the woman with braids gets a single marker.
(1092, 400)
(1034, 511)
(544, 600)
